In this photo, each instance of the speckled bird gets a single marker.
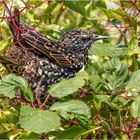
(41, 61)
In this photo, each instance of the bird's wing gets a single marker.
(47, 47)
(25, 35)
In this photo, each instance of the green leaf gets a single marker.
(11, 83)
(77, 6)
(100, 99)
(93, 70)
(67, 87)
(106, 49)
(115, 73)
(119, 15)
(7, 90)
(135, 108)
(25, 135)
(3, 44)
(78, 108)
(116, 13)
(38, 121)
(133, 46)
(12, 133)
(51, 7)
(134, 83)
(70, 133)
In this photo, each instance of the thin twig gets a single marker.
(43, 104)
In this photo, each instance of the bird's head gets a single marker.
(78, 40)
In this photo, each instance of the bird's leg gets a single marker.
(38, 101)
(38, 91)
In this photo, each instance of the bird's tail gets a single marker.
(6, 60)
(9, 63)
(13, 20)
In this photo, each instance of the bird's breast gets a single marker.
(45, 73)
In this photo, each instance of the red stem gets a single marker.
(43, 104)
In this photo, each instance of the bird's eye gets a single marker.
(96, 35)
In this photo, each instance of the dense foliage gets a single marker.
(101, 101)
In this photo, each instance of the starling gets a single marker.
(41, 61)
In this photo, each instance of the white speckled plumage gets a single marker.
(49, 61)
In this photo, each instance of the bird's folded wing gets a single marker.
(46, 47)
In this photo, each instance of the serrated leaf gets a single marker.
(108, 50)
(11, 83)
(67, 87)
(38, 121)
(135, 108)
(115, 73)
(78, 108)
(99, 99)
(134, 83)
